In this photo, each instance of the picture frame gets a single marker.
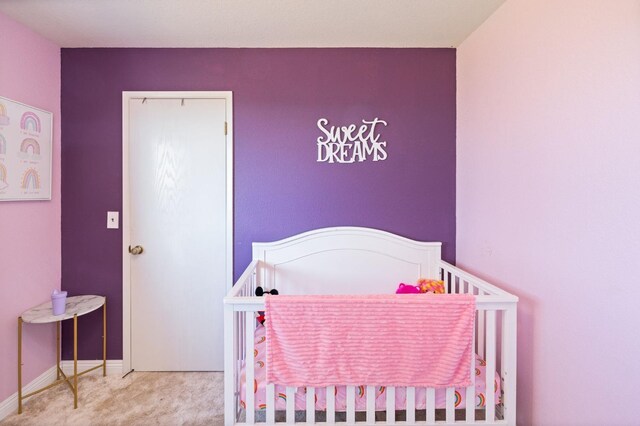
(26, 141)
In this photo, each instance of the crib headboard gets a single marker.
(345, 260)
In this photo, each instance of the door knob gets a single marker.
(136, 250)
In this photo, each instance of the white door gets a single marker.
(177, 207)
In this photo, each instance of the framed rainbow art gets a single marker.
(25, 152)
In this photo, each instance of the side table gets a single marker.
(76, 306)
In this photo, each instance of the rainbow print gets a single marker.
(480, 400)
(31, 179)
(458, 399)
(30, 143)
(282, 396)
(3, 145)
(4, 119)
(360, 391)
(3, 177)
(30, 122)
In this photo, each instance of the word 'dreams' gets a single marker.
(348, 144)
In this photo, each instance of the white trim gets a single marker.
(126, 237)
(10, 405)
(126, 265)
(114, 366)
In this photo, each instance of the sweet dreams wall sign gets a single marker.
(351, 143)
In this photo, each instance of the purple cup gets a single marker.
(59, 302)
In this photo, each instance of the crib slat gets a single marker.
(470, 415)
(431, 406)
(411, 405)
(331, 404)
(491, 366)
(371, 404)
(311, 405)
(239, 330)
(250, 364)
(470, 412)
(271, 403)
(481, 335)
(351, 404)
(291, 404)
(391, 404)
(450, 405)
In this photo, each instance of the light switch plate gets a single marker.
(113, 220)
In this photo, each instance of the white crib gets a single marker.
(350, 260)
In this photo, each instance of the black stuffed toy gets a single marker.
(261, 292)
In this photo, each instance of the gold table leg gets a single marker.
(58, 350)
(104, 338)
(19, 365)
(75, 361)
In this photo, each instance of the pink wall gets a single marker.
(29, 230)
(548, 199)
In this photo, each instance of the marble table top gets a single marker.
(76, 305)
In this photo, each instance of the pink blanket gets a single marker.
(392, 340)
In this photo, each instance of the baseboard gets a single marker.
(114, 366)
(10, 405)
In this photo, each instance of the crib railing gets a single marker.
(495, 342)
(495, 334)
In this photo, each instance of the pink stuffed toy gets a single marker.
(406, 288)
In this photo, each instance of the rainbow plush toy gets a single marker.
(433, 286)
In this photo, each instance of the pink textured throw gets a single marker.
(391, 340)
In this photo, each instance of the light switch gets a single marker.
(113, 220)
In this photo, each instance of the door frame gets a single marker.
(126, 229)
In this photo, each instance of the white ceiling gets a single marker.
(252, 23)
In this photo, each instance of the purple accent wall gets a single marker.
(280, 189)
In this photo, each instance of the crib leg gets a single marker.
(509, 348)
(229, 370)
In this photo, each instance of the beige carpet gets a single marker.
(138, 399)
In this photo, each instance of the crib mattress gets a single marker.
(260, 388)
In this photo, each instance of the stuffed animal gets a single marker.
(261, 292)
(431, 286)
(407, 289)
